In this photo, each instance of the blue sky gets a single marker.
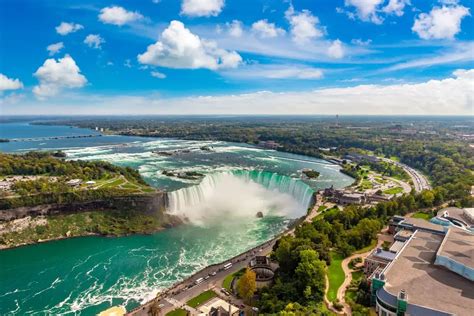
(236, 56)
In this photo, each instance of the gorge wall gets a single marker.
(150, 204)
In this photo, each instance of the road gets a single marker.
(420, 182)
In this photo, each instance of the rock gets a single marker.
(259, 215)
(68, 233)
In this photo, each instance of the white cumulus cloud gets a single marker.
(396, 7)
(336, 49)
(158, 74)
(178, 47)
(55, 75)
(118, 15)
(235, 28)
(441, 23)
(94, 41)
(264, 29)
(55, 48)
(65, 28)
(304, 25)
(202, 7)
(9, 84)
(366, 10)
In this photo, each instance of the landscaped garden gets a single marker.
(178, 312)
(201, 298)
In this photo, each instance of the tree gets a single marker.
(310, 275)
(247, 285)
(427, 198)
(155, 309)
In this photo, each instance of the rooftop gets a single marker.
(404, 234)
(458, 213)
(217, 302)
(397, 246)
(383, 254)
(427, 284)
(423, 224)
(458, 245)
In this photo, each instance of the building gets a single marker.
(456, 253)
(346, 197)
(377, 258)
(403, 235)
(218, 307)
(431, 275)
(264, 270)
(453, 216)
(398, 223)
(356, 157)
(393, 223)
(396, 246)
(352, 198)
(74, 182)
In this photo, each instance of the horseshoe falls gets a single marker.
(241, 193)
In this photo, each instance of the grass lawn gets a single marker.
(201, 298)
(335, 275)
(129, 185)
(228, 279)
(178, 312)
(422, 215)
(114, 183)
(394, 190)
(227, 282)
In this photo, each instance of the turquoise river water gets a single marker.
(89, 274)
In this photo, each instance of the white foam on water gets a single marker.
(243, 195)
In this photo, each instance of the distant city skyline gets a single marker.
(122, 57)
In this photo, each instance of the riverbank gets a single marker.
(115, 216)
(32, 230)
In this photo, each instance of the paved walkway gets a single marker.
(341, 292)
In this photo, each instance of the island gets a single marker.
(311, 174)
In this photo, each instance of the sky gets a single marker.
(135, 57)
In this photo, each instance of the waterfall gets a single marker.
(299, 190)
(243, 189)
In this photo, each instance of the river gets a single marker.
(89, 274)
